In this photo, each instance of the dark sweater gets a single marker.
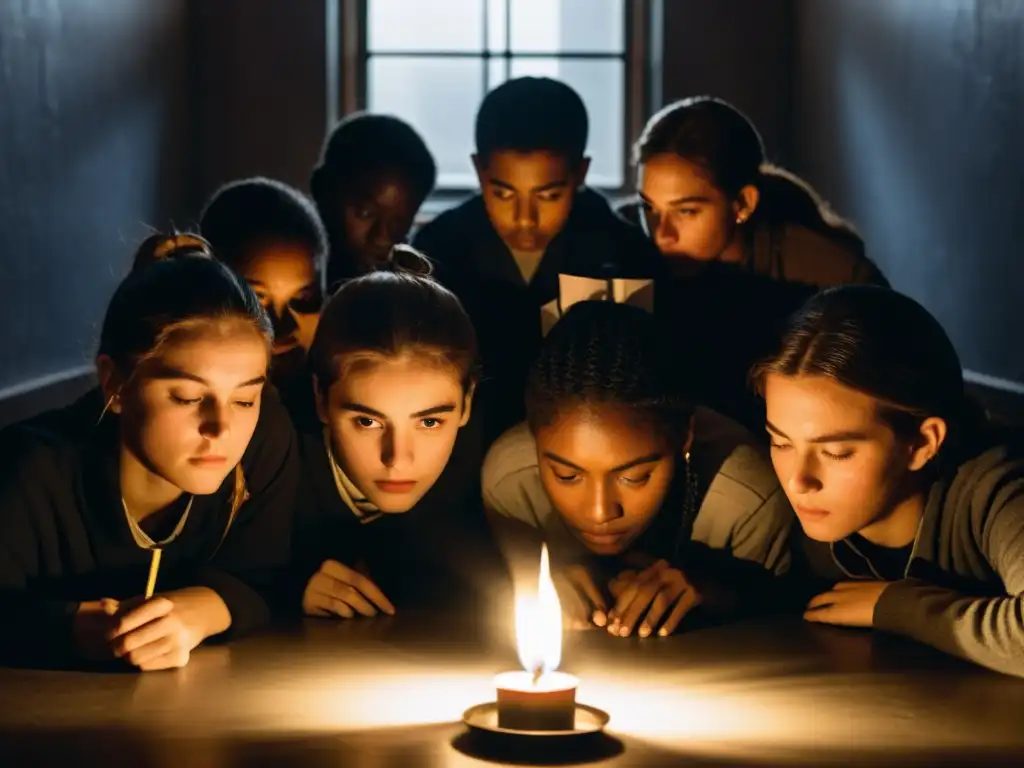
(822, 256)
(64, 538)
(473, 261)
(720, 322)
(437, 553)
(963, 590)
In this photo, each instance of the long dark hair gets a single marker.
(886, 345)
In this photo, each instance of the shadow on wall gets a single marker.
(95, 152)
(909, 118)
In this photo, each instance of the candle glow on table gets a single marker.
(539, 698)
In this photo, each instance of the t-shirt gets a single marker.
(742, 508)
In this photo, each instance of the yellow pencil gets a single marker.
(154, 568)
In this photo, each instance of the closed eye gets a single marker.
(841, 456)
(778, 446)
(186, 400)
(245, 403)
(636, 481)
(571, 477)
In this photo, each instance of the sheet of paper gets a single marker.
(638, 293)
(573, 289)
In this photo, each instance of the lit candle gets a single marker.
(539, 698)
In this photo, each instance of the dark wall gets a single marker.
(93, 131)
(261, 94)
(910, 118)
(738, 50)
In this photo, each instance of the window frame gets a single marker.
(347, 76)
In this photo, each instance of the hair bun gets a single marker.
(163, 247)
(407, 260)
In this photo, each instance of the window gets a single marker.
(431, 63)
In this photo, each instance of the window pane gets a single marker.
(601, 84)
(431, 25)
(496, 72)
(568, 26)
(496, 24)
(439, 97)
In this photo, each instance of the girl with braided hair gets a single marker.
(648, 505)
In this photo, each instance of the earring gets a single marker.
(110, 401)
(740, 218)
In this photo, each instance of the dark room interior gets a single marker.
(904, 114)
(799, 555)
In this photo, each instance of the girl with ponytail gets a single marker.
(707, 193)
(178, 450)
(393, 512)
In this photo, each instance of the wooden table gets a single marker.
(389, 693)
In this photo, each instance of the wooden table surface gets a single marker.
(389, 693)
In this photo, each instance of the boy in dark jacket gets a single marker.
(505, 251)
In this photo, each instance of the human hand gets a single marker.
(618, 585)
(583, 605)
(647, 596)
(337, 590)
(848, 603)
(90, 627)
(161, 632)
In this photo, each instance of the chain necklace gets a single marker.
(143, 539)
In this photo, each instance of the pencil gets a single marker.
(154, 568)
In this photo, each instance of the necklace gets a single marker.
(143, 539)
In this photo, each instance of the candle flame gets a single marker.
(539, 624)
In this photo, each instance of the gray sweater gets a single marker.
(743, 511)
(964, 588)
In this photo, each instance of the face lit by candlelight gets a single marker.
(528, 195)
(607, 470)
(393, 425)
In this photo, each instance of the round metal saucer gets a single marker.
(484, 717)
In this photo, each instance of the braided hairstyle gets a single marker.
(607, 353)
(601, 352)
